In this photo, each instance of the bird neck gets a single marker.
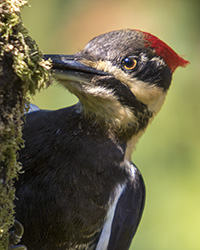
(122, 125)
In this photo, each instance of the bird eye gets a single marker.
(129, 63)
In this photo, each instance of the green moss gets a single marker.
(22, 72)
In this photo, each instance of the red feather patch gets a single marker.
(172, 59)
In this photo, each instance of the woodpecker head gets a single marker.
(120, 77)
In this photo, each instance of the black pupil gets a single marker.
(128, 62)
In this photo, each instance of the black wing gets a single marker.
(128, 214)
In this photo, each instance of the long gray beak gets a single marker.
(68, 64)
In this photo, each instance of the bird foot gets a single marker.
(17, 247)
(16, 233)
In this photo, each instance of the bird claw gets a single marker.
(16, 234)
(17, 247)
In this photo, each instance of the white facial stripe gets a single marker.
(147, 93)
(150, 95)
(101, 101)
(99, 91)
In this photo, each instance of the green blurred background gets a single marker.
(168, 154)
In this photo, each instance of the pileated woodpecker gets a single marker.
(79, 189)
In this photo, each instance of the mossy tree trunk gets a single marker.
(22, 72)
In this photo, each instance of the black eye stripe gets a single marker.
(122, 92)
(147, 69)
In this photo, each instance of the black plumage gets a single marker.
(71, 169)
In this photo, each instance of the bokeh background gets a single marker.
(168, 155)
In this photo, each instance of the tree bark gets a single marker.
(22, 72)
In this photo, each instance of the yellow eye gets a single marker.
(129, 63)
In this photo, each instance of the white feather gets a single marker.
(106, 232)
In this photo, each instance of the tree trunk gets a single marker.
(22, 72)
